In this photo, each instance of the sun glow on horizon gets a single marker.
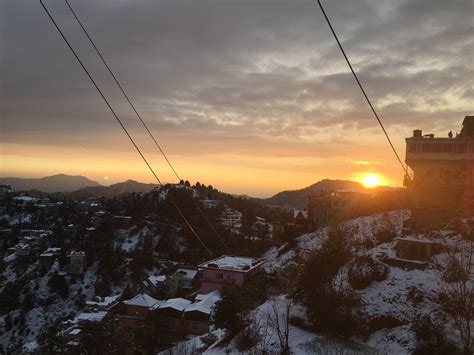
(371, 180)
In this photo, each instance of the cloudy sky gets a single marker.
(251, 96)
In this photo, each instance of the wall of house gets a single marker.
(215, 279)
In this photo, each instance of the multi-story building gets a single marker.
(442, 186)
(335, 205)
(77, 262)
(182, 282)
(227, 270)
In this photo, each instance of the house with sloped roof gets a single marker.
(182, 282)
(136, 311)
(183, 317)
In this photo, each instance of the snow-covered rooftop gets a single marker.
(178, 304)
(91, 317)
(297, 212)
(202, 303)
(141, 300)
(416, 240)
(103, 301)
(156, 280)
(238, 263)
(50, 252)
(189, 273)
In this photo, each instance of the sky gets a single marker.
(251, 96)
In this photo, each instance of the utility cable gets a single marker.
(143, 122)
(363, 91)
(122, 126)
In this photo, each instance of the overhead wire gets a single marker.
(407, 175)
(188, 224)
(104, 61)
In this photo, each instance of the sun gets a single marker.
(371, 180)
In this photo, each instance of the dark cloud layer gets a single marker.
(256, 70)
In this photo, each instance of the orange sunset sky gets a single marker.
(252, 97)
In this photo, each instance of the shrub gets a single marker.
(336, 311)
(235, 303)
(431, 339)
(57, 283)
(385, 235)
(209, 339)
(247, 339)
(364, 270)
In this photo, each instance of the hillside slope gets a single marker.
(391, 306)
(298, 198)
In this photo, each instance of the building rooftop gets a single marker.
(297, 212)
(90, 316)
(77, 253)
(202, 303)
(189, 273)
(103, 301)
(237, 263)
(141, 300)
(156, 280)
(416, 240)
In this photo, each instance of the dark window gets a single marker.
(437, 148)
(426, 147)
(411, 147)
(461, 148)
(447, 148)
(219, 276)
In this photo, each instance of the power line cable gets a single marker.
(188, 224)
(143, 122)
(363, 91)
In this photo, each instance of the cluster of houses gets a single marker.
(187, 310)
(32, 247)
(189, 314)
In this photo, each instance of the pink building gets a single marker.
(227, 270)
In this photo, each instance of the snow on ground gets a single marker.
(398, 340)
(231, 218)
(130, 240)
(403, 295)
(300, 341)
(18, 218)
(360, 228)
(48, 307)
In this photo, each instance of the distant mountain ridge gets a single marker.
(74, 186)
(114, 190)
(298, 198)
(50, 184)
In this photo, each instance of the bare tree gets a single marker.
(458, 300)
(279, 321)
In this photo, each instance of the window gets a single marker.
(195, 326)
(461, 148)
(411, 147)
(447, 148)
(426, 147)
(437, 148)
(219, 275)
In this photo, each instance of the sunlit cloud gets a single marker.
(249, 97)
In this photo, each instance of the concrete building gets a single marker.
(182, 282)
(49, 255)
(227, 270)
(442, 186)
(335, 205)
(77, 262)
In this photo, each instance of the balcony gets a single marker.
(450, 149)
